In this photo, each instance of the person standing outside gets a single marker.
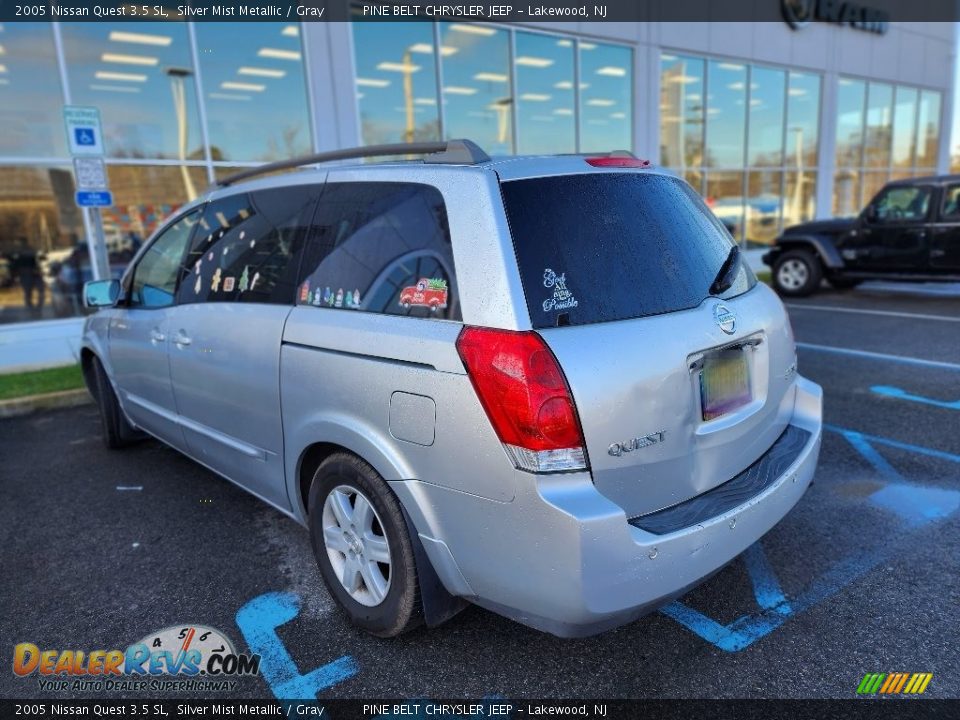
(27, 269)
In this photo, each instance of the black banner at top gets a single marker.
(872, 15)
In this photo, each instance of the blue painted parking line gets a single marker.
(914, 505)
(896, 392)
(258, 621)
(876, 440)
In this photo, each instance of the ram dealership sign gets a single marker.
(799, 13)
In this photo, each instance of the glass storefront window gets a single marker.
(30, 93)
(606, 97)
(803, 121)
(904, 127)
(726, 113)
(396, 81)
(143, 84)
(143, 196)
(762, 132)
(725, 197)
(846, 193)
(545, 94)
(767, 101)
(894, 134)
(878, 133)
(256, 94)
(477, 95)
(799, 197)
(928, 129)
(40, 229)
(681, 111)
(763, 207)
(851, 95)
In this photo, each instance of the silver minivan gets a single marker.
(549, 386)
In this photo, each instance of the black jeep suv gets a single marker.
(910, 231)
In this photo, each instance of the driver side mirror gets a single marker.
(101, 293)
(870, 213)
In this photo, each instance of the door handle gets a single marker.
(181, 339)
(937, 252)
(156, 336)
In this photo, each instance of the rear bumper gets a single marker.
(563, 558)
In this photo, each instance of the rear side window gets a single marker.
(381, 248)
(600, 247)
(247, 247)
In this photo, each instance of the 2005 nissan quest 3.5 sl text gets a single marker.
(549, 386)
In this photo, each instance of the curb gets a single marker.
(46, 401)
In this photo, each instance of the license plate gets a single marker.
(724, 383)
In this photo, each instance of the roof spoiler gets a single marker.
(451, 152)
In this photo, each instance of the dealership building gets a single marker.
(772, 123)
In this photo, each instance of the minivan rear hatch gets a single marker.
(674, 386)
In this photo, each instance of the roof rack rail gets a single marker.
(454, 152)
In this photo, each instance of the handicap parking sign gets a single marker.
(85, 136)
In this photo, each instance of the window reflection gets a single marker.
(256, 96)
(846, 193)
(476, 89)
(928, 129)
(803, 121)
(143, 196)
(396, 82)
(545, 94)
(767, 100)
(879, 126)
(904, 127)
(681, 111)
(30, 92)
(143, 84)
(725, 198)
(726, 113)
(799, 197)
(763, 207)
(851, 95)
(606, 100)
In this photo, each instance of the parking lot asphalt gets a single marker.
(860, 577)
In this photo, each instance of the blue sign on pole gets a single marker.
(85, 136)
(94, 198)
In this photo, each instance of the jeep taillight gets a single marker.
(526, 397)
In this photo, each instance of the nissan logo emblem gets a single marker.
(725, 319)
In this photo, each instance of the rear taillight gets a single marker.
(526, 397)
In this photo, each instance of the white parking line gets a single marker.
(888, 313)
(129, 487)
(880, 356)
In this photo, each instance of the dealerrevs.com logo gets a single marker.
(178, 658)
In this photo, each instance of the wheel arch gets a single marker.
(821, 246)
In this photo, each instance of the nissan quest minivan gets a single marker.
(549, 386)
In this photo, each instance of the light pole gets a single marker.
(178, 86)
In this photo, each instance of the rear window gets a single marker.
(600, 247)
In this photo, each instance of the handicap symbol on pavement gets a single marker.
(85, 136)
(914, 505)
(258, 621)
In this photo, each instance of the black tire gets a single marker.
(117, 432)
(841, 283)
(797, 273)
(401, 608)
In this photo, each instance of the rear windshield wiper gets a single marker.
(728, 272)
